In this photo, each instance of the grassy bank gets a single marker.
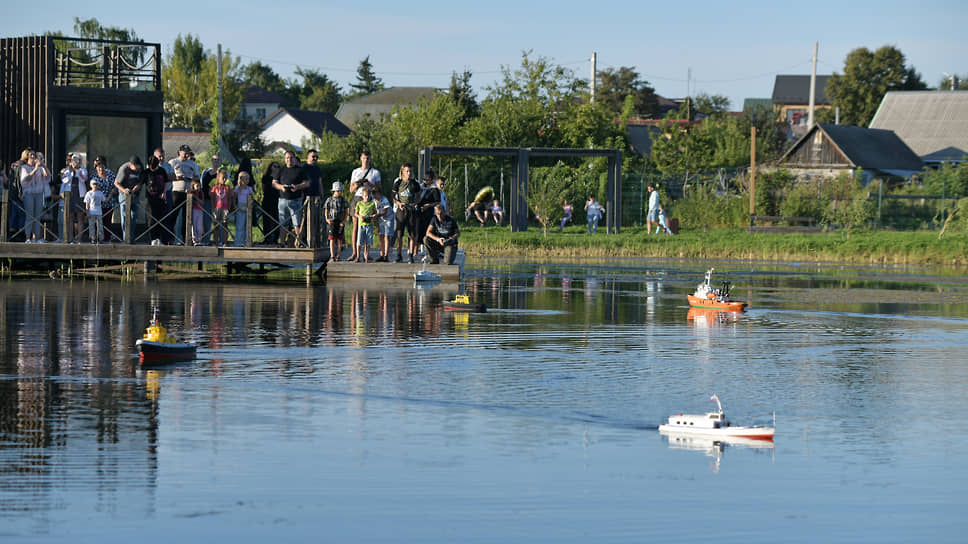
(885, 247)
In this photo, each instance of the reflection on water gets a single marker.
(714, 447)
(340, 405)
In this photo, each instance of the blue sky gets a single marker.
(731, 48)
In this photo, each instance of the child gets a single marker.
(385, 223)
(595, 212)
(242, 194)
(497, 212)
(335, 214)
(567, 209)
(366, 214)
(222, 204)
(92, 202)
(198, 215)
(661, 222)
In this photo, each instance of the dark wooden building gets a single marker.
(95, 97)
(843, 147)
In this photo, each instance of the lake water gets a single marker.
(355, 413)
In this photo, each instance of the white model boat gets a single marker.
(715, 424)
(425, 275)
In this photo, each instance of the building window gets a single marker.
(260, 113)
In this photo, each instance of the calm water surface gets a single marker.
(367, 413)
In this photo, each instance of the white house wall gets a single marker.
(286, 129)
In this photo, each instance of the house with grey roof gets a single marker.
(934, 124)
(828, 150)
(289, 127)
(381, 103)
(791, 100)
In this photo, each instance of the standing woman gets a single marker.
(74, 179)
(105, 183)
(34, 176)
(106, 186)
(270, 205)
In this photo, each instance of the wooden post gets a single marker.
(67, 228)
(127, 219)
(4, 215)
(188, 219)
(248, 222)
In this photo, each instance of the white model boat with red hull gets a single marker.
(715, 424)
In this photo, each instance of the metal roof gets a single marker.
(795, 89)
(934, 124)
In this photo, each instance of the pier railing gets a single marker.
(56, 224)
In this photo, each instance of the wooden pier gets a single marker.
(90, 258)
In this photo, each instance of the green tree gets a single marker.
(522, 110)
(462, 93)
(262, 75)
(617, 85)
(709, 105)
(366, 80)
(867, 77)
(315, 91)
(547, 190)
(191, 91)
(946, 82)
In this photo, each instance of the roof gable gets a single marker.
(316, 122)
(795, 89)
(871, 149)
(934, 124)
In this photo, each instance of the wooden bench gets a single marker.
(806, 224)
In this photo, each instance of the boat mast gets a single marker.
(715, 399)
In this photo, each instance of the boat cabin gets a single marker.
(712, 420)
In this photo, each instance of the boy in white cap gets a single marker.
(92, 202)
(335, 209)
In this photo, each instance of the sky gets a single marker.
(734, 49)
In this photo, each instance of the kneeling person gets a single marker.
(441, 236)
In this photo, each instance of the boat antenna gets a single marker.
(715, 399)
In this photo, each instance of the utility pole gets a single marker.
(218, 118)
(752, 172)
(594, 75)
(813, 86)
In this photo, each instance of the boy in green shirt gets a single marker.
(366, 213)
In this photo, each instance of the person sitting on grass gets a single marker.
(441, 237)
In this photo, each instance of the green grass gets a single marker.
(886, 247)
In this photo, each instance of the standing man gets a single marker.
(313, 191)
(208, 176)
(653, 216)
(169, 221)
(128, 183)
(290, 184)
(359, 178)
(185, 171)
(405, 193)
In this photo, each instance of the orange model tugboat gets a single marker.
(157, 346)
(706, 296)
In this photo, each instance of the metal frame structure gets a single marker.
(520, 161)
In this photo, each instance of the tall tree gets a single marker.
(366, 80)
(462, 94)
(709, 105)
(262, 75)
(615, 85)
(315, 91)
(867, 77)
(191, 75)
